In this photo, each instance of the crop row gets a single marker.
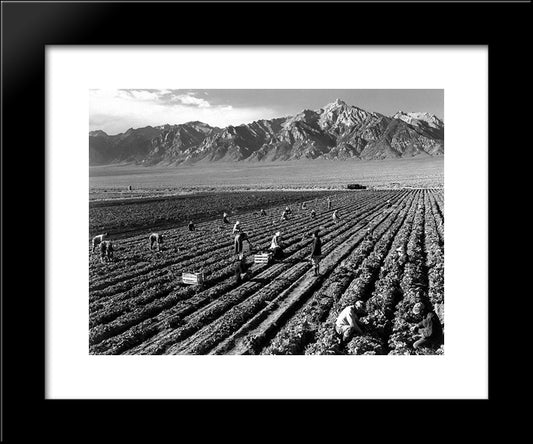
(124, 323)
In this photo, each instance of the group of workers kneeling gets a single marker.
(430, 333)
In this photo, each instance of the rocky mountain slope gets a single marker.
(338, 131)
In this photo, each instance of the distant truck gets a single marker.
(355, 186)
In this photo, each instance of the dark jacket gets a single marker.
(238, 242)
(316, 249)
(430, 327)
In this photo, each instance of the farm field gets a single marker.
(139, 305)
(121, 217)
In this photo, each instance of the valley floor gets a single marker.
(112, 181)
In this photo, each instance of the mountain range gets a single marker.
(337, 131)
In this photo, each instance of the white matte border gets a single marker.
(462, 372)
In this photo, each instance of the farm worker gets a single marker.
(430, 329)
(263, 212)
(313, 213)
(277, 251)
(288, 210)
(402, 257)
(106, 251)
(103, 248)
(329, 203)
(97, 240)
(238, 242)
(156, 239)
(241, 268)
(304, 206)
(284, 215)
(225, 218)
(316, 252)
(335, 216)
(191, 226)
(237, 227)
(109, 250)
(388, 202)
(347, 324)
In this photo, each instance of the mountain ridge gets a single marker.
(337, 131)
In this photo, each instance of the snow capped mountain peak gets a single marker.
(414, 118)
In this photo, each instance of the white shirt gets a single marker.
(274, 243)
(347, 317)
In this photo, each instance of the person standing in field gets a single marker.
(304, 206)
(329, 203)
(191, 226)
(237, 227)
(241, 268)
(288, 210)
(106, 251)
(284, 215)
(225, 218)
(156, 239)
(109, 250)
(313, 214)
(97, 240)
(335, 216)
(275, 246)
(347, 323)
(316, 253)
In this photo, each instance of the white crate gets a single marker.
(193, 278)
(262, 258)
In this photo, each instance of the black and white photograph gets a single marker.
(266, 221)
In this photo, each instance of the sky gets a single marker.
(115, 111)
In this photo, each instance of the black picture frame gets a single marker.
(29, 26)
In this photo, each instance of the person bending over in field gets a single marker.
(156, 239)
(304, 206)
(238, 244)
(275, 246)
(191, 226)
(97, 240)
(347, 323)
(313, 214)
(225, 218)
(284, 216)
(430, 329)
(316, 253)
(288, 210)
(335, 216)
(263, 212)
(402, 257)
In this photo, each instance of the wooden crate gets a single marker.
(192, 278)
(262, 258)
